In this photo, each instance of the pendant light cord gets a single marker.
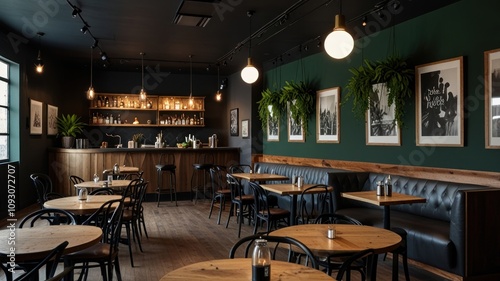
(142, 69)
(91, 59)
(250, 14)
(190, 75)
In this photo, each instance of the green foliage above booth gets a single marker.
(300, 96)
(270, 102)
(393, 71)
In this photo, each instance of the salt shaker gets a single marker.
(300, 181)
(96, 178)
(331, 232)
(388, 186)
(380, 188)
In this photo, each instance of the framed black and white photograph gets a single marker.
(244, 128)
(233, 122)
(295, 128)
(36, 117)
(328, 116)
(51, 120)
(381, 125)
(439, 102)
(273, 128)
(492, 98)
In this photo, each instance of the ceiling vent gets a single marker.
(195, 12)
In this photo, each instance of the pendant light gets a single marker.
(191, 101)
(218, 94)
(39, 61)
(90, 91)
(142, 94)
(339, 43)
(250, 74)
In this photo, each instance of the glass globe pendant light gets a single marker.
(191, 101)
(90, 91)
(250, 74)
(339, 43)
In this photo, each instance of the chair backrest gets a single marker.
(240, 168)
(102, 191)
(360, 257)
(137, 194)
(108, 217)
(332, 218)
(235, 186)
(314, 201)
(75, 179)
(261, 203)
(132, 176)
(127, 192)
(53, 217)
(61, 275)
(218, 177)
(43, 186)
(50, 261)
(281, 247)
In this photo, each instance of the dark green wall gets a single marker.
(467, 28)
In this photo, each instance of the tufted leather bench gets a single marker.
(436, 229)
(314, 175)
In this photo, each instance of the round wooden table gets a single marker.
(80, 207)
(36, 242)
(349, 238)
(241, 269)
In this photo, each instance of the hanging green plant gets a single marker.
(300, 96)
(393, 71)
(270, 103)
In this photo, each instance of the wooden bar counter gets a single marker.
(85, 162)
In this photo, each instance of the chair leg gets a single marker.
(240, 218)
(222, 204)
(231, 213)
(159, 178)
(129, 242)
(117, 269)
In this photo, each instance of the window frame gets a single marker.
(7, 107)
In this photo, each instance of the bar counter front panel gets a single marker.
(85, 162)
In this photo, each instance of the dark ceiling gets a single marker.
(125, 28)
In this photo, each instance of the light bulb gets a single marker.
(250, 74)
(142, 95)
(339, 43)
(90, 93)
(218, 96)
(39, 68)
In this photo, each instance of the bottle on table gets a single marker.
(388, 186)
(261, 261)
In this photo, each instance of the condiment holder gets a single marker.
(331, 233)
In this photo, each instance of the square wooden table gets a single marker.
(259, 177)
(385, 201)
(288, 189)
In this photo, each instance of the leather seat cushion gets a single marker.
(428, 240)
(165, 167)
(97, 251)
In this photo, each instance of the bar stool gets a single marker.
(166, 165)
(201, 167)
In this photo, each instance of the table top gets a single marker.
(80, 207)
(36, 242)
(372, 198)
(349, 238)
(124, 169)
(99, 184)
(241, 269)
(259, 177)
(289, 189)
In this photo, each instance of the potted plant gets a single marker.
(300, 97)
(394, 72)
(137, 139)
(68, 127)
(269, 106)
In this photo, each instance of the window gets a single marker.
(4, 111)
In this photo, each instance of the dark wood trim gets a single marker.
(490, 179)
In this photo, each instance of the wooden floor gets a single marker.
(183, 235)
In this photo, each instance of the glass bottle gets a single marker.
(96, 178)
(94, 118)
(106, 101)
(261, 261)
(388, 186)
(116, 169)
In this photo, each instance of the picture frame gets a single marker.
(328, 115)
(381, 125)
(36, 117)
(295, 129)
(233, 122)
(273, 128)
(492, 98)
(245, 123)
(439, 103)
(51, 120)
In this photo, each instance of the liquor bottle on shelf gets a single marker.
(94, 118)
(119, 119)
